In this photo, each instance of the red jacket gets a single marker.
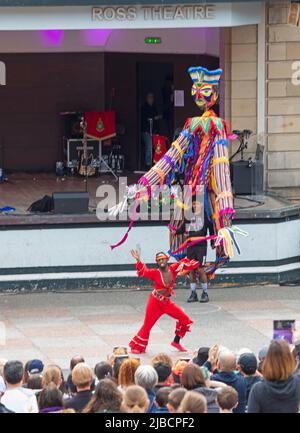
(155, 274)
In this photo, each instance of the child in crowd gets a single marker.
(161, 399)
(227, 399)
(174, 399)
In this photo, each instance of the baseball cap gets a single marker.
(35, 366)
(248, 363)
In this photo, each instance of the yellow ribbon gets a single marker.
(224, 235)
(160, 173)
(220, 160)
(180, 204)
(177, 147)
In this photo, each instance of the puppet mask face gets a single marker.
(205, 95)
(205, 90)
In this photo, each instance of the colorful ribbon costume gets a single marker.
(200, 153)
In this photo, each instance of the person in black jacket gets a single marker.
(149, 126)
(82, 377)
(247, 366)
(279, 392)
(223, 364)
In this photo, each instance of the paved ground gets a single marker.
(56, 326)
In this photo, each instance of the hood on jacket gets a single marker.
(209, 393)
(282, 389)
(228, 377)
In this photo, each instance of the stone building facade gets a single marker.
(259, 91)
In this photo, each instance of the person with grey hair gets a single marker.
(147, 377)
(224, 365)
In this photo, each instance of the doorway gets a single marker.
(157, 78)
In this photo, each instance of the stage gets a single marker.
(50, 251)
(22, 189)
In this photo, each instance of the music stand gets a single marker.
(102, 161)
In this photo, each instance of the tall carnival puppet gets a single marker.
(200, 154)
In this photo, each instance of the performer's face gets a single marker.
(162, 263)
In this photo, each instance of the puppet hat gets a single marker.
(204, 76)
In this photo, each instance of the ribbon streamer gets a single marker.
(130, 225)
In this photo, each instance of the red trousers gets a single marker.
(154, 310)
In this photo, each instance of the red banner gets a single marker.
(100, 124)
(159, 147)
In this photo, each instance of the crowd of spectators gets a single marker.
(215, 380)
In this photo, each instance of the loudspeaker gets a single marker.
(70, 202)
(247, 177)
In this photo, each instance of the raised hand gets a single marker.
(136, 255)
(212, 355)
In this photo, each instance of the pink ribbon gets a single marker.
(130, 225)
(190, 244)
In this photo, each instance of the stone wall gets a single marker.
(283, 99)
(240, 67)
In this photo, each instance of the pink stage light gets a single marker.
(52, 38)
(95, 37)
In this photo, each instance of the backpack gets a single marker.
(45, 204)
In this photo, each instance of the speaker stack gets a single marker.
(71, 202)
(247, 176)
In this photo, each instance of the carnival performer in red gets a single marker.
(159, 301)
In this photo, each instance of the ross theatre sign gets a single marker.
(150, 13)
(143, 16)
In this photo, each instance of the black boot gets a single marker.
(204, 297)
(193, 297)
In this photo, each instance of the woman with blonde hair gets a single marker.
(52, 374)
(127, 372)
(279, 392)
(135, 400)
(193, 402)
(161, 357)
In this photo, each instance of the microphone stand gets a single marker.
(83, 126)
